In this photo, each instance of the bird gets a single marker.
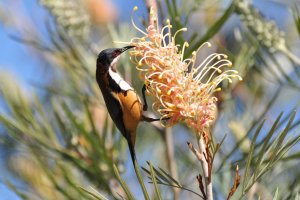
(122, 101)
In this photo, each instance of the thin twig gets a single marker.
(201, 157)
(183, 188)
(201, 186)
(196, 153)
(236, 183)
(290, 55)
(205, 168)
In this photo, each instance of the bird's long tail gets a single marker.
(132, 151)
(136, 166)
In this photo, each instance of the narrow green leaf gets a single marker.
(282, 71)
(249, 157)
(262, 152)
(61, 124)
(276, 194)
(184, 188)
(296, 15)
(286, 148)
(146, 170)
(45, 123)
(281, 137)
(218, 146)
(123, 184)
(297, 196)
(90, 118)
(294, 156)
(170, 177)
(141, 181)
(158, 180)
(161, 176)
(261, 61)
(153, 177)
(98, 196)
(72, 118)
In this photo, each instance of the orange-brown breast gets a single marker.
(132, 111)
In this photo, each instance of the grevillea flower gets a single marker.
(183, 91)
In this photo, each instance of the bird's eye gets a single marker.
(115, 53)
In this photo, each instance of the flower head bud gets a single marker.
(265, 31)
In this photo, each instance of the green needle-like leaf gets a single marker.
(266, 142)
(97, 196)
(141, 181)
(123, 184)
(153, 177)
(249, 157)
(276, 194)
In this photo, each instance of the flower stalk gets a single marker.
(206, 162)
(205, 167)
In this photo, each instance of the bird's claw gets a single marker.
(145, 107)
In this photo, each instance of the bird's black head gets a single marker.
(109, 57)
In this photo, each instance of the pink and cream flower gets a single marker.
(183, 90)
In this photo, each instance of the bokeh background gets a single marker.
(47, 65)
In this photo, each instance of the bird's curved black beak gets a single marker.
(126, 48)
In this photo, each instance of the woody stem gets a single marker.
(205, 167)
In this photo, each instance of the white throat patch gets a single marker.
(114, 62)
(119, 80)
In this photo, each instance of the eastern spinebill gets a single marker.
(123, 103)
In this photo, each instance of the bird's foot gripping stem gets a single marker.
(149, 119)
(145, 106)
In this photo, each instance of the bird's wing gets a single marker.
(117, 115)
(114, 108)
(132, 109)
